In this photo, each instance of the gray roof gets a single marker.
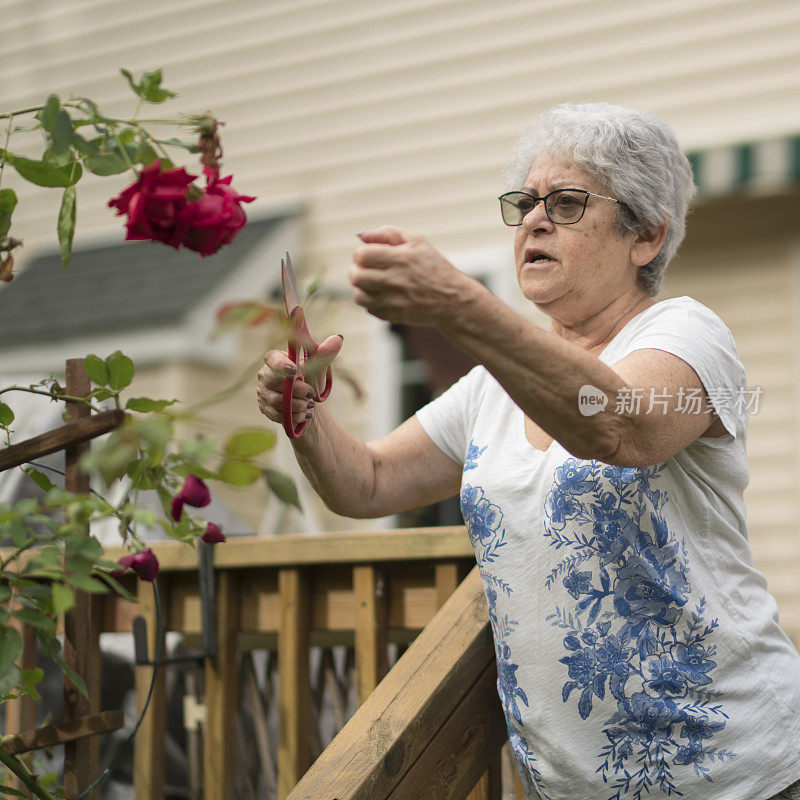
(115, 287)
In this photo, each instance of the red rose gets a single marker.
(215, 218)
(193, 493)
(154, 204)
(144, 564)
(213, 534)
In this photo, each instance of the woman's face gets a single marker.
(572, 271)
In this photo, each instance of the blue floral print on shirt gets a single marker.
(632, 576)
(484, 521)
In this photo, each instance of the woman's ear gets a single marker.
(647, 243)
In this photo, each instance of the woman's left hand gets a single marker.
(399, 276)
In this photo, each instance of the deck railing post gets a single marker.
(369, 598)
(222, 695)
(294, 689)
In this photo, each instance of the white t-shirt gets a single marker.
(638, 650)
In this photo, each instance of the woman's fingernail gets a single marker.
(309, 394)
(291, 368)
(308, 415)
(341, 336)
(310, 404)
(361, 235)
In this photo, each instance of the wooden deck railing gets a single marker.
(431, 728)
(288, 593)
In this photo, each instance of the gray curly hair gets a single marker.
(634, 154)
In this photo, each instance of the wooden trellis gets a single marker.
(82, 718)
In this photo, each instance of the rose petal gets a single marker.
(213, 534)
(177, 507)
(194, 492)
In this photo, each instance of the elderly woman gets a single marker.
(601, 465)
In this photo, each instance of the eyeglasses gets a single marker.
(562, 206)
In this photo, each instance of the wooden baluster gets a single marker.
(149, 744)
(222, 695)
(369, 594)
(294, 685)
(447, 578)
(490, 786)
(81, 633)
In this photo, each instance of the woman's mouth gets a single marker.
(538, 258)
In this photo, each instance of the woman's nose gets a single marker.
(536, 219)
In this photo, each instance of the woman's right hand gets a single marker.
(277, 367)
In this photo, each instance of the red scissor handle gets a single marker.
(301, 346)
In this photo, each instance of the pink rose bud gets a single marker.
(213, 534)
(193, 493)
(144, 564)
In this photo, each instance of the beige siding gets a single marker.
(740, 259)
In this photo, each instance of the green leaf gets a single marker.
(156, 432)
(29, 678)
(239, 473)
(145, 404)
(105, 164)
(197, 449)
(120, 370)
(146, 155)
(47, 115)
(119, 588)
(6, 415)
(8, 202)
(250, 442)
(87, 583)
(10, 648)
(86, 147)
(282, 486)
(61, 132)
(127, 136)
(39, 478)
(43, 174)
(96, 369)
(66, 225)
(63, 598)
(54, 159)
(149, 88)
(190, 146)
(71, 674)
(110, 459)
(131, 82)
(102, 394)
(35, 619)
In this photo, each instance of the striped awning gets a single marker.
(764, 166)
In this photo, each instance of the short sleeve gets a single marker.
(448, 419)
(696, 335)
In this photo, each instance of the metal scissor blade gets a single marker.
(290, 294)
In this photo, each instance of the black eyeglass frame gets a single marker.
(585, 192)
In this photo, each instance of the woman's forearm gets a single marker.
(339, 466)
(542, 373)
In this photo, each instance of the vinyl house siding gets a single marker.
(365, 112)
